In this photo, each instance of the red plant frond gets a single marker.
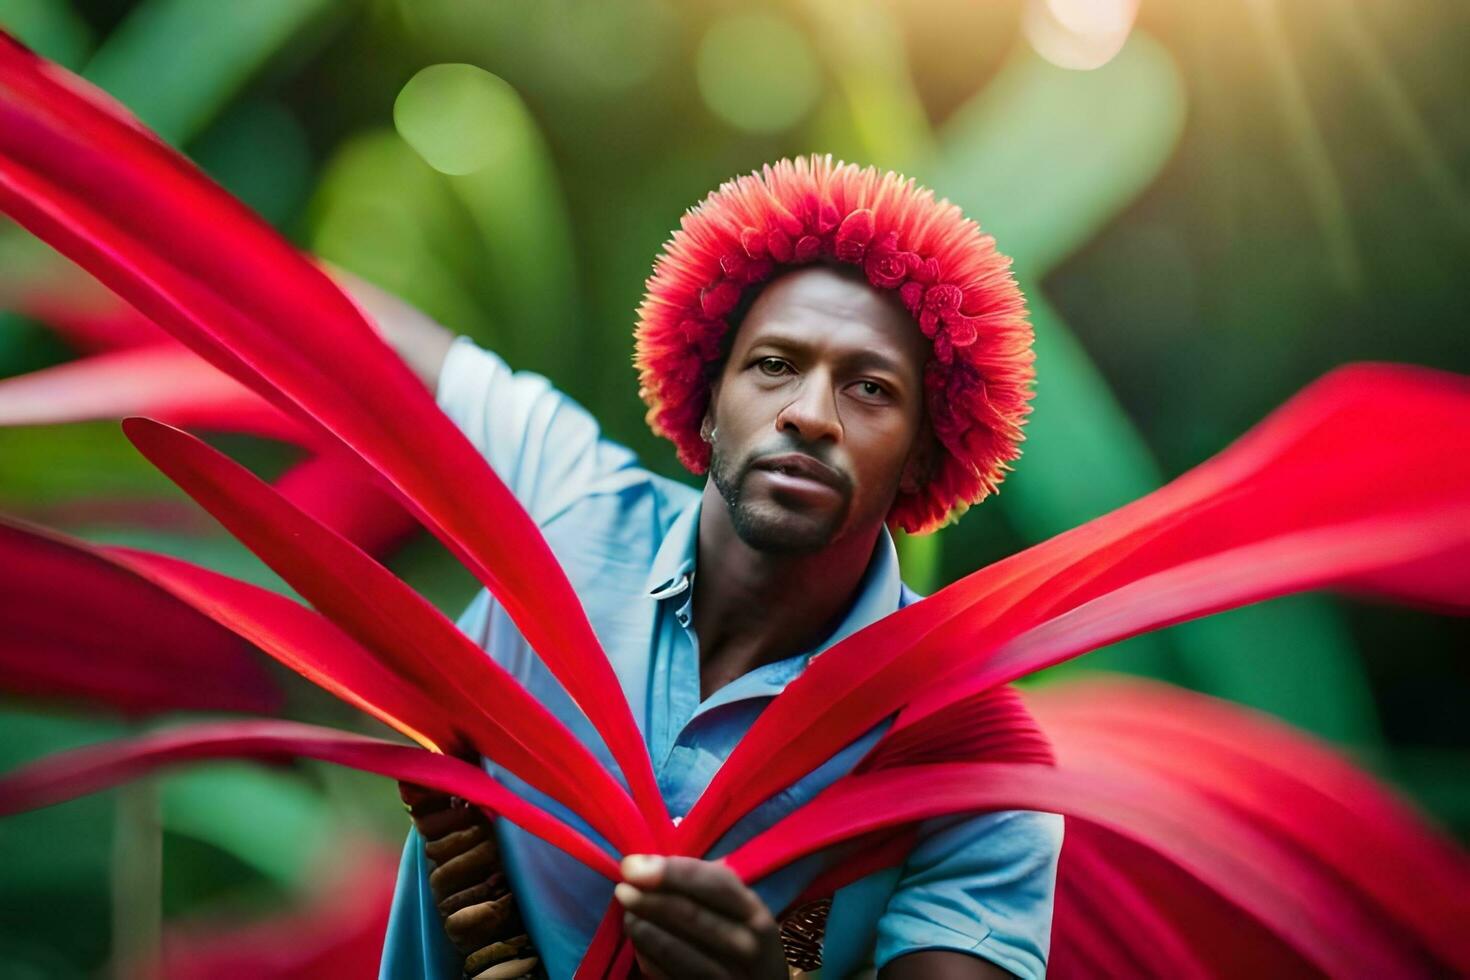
(947, 272)
(78, 625)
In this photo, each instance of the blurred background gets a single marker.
(1209, 206)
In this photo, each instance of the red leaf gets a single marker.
(79, 626)
(81, 312)
(165, 381)
(67, 775)
(1277, 778)
(86, 178)
(303, 640)
(410, 636)
(1300, 902)
(344, 494)
(1283, 509)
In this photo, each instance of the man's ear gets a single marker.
(708, 423)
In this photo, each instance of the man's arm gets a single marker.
(975, 899)
(940, 964)
(547, 449)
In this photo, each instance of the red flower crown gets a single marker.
(948, 274)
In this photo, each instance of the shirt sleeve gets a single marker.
(547, 448)
(415, 946)
(979, 885)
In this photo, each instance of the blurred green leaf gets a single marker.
(756, 70)
(269, 820)
(434, 573)
(863, 48)
(918, 560)
(1044, 157)
(56, 858)
(50, 28)
(1439, 780)
(56, 464)
(30, 732)
(381, 212)
(177, 63)
(1082, 456)
(473, 127)
(1293, 657)
(232, 150)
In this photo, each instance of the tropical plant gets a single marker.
(1222, 840)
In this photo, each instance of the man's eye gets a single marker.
(772, 366)
(872, 389)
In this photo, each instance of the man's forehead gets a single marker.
(817, 306)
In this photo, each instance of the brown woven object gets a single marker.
(802, 932)
(471, 891)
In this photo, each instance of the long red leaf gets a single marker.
(1297, 900)
(1278, 778)
(412, 638)
(304, 641)
(81, 174)
(341, 492)
(76, 625)
(67, 775)
(1417, 543)
(169, 382)
(165, 381)
(64, 298)
(1295, 480)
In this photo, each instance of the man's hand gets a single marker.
(693, 918)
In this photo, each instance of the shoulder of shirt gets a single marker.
(635, 486)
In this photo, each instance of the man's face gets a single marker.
(817, 412)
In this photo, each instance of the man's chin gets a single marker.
(783, 531)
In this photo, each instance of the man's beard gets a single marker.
(773, 529)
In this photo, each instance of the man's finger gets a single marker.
(723, 939)
(708, 883)
(666, 955)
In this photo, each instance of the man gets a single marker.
(843, 354)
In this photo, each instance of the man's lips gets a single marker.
(799, 466)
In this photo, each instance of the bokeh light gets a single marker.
(453, 115)
(1079, 34)
(757, 72)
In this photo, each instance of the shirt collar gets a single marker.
(879, 593)
(673, 563)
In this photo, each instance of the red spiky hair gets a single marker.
(948, 274)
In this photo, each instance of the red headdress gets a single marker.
(948, 274)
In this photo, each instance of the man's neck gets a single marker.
(753, 608)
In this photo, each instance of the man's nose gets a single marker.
(812, 414)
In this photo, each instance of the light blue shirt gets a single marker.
(627, 539)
